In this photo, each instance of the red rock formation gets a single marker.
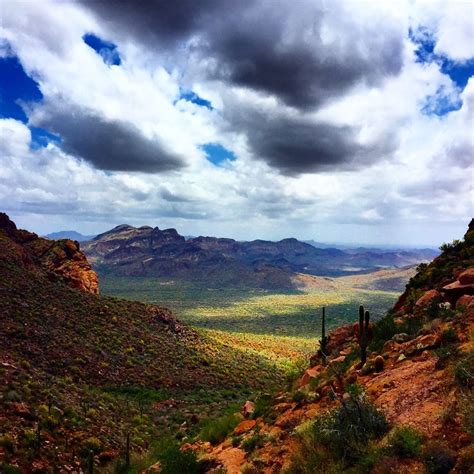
(58, 257)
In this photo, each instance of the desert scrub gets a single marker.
(405, 442)
(7, 443)
(464, 371)
(438, 458)
(215, 430)
(310, 456)
(255, 441)
(347, 429)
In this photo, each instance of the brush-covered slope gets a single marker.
(408, 409)
(70, 360)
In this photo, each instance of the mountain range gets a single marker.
(224, 262)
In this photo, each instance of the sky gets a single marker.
(347, 122)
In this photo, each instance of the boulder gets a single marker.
(310, 374)
(248, 409)
(465, 301)
(467, 277)
(244, 426)
(428, 298)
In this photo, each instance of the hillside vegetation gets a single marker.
(78, 372)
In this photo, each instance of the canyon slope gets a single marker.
(221, 262)
(408, 408)
(79, 371)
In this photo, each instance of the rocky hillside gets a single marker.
(391, 396)
(210, 261)
(59, 259)
(78, 372)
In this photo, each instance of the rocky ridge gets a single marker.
(220, 262)
(419, 377)
(61, 258)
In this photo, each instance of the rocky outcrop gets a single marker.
(59, 258)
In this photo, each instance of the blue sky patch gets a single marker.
(217, 154)
(191, 96)
(441, 103)
(459, 72)
(106, 49)
(41, 137)
(16, 85)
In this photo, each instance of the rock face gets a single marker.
(62, 258)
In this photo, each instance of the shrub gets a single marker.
(298, 396)
(347, 429)
(7, 443)
(384, 330)
(464, 371)
(215, 430)
(310, 456)
(90, 444)
(173, 460)
(255, 441)
(449, 336)
(405, 442)
(465, 460)
(438, 458)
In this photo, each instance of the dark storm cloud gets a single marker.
(112, 145)
(298, 145)
(275, 47)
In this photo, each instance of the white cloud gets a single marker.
(425, 181)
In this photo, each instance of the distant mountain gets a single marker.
(69, 234)
(221, 262)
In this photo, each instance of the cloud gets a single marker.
(112, 145)
(301, 144)
(295, 52)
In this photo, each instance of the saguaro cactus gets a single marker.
(324, 339)
(364, 319)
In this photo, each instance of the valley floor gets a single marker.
(282, 327)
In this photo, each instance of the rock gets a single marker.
(61, 258)
(154, 468)
(244, 426)
(310, 374)
(22, 410)
(339, 337)
(421, 343)
(428, 298)
(401, 337)
(109, 455)
(368, 368)
(467, 277)
(337, 360)
(351, 378)
(248, 409)
(465, 301)
(379, 363)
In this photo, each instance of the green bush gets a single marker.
(7, 443)
(449, 336)
(384, 330)
(464, 371)
(174, 461)
(347, 429)
(255, 441)
(216, 430)
(405, 442)
(310, 456)
(438, 458)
